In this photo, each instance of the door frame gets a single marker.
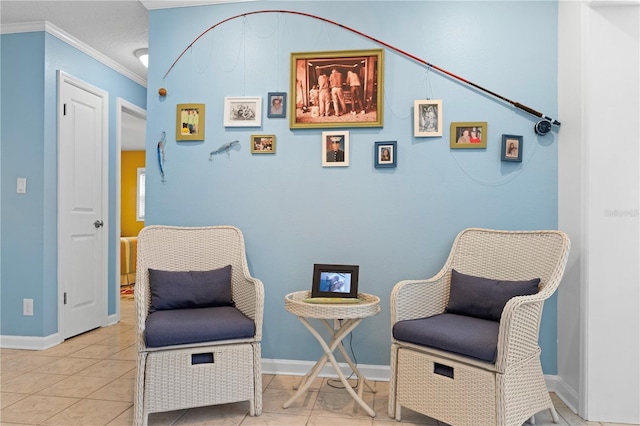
(65, 78)
(122, 106)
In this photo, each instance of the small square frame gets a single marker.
(335, 281)
(328, 158)
(385, 154)
(263, 144)
(243, 111)
(462, 135)
(272, 109)
(190, 122)
(512, 148)
(427, 118)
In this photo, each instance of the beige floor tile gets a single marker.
(88, 412)
(124, 419)
(8, 398)
(129, 353)
(318, 419)
(276, 419)
(223, 415)
(35, 409)
(68, 366)
(266, 380)
(88, 338)
(118, 390)
(292, 383)
(30, 383)
(411, 417)
(131, 374)
(121, 340)
(272, 400)
(75, 386)
(96, 351)
(8, 375)
(25, 361)
(341, 404)
(108, 368)
(166, 418)
(63, 349)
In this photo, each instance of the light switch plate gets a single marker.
(21, 187)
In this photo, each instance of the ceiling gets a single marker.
(114, 28)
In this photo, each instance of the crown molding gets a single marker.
(168, 4)
(28, 27)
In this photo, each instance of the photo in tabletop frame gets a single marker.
(335, 281)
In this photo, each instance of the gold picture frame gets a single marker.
(468, 135)
(263, 144)
(190, 122)
(357, 80)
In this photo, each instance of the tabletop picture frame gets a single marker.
(385, 154)
(512, 148)
(190, 122)
(427, 118)
(335, 281)
(359, 105)
(243, 111)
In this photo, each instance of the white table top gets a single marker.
(294, 303)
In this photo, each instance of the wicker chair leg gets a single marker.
(554, 414)
(257, 380)
(139, 416)
(532, 420)
(398, 410)
(391, 408)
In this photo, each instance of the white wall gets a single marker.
(599, 102)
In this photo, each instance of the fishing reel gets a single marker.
(542, 127)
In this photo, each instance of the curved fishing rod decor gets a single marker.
(542, 127)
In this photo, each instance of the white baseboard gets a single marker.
(32, 343)
(378, 373)
(566, 393)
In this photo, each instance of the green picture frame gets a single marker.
(190, 122)
(356, 98)
(468, 135)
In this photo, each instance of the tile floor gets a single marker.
(89, 380)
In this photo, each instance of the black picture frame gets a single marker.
(512, 148)
(280, 112)
(325, 275)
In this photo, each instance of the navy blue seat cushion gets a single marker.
(190, 289)
(463, 335)
(483, 297)
(185, 326)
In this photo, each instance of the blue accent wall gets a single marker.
(29, 246)
(394, 223)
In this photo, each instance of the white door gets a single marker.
(82, 206)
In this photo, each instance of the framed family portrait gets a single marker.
(335, 281)
(335, 149)
(263, 144)
(427, 118)
(244, 111)
(336, 89)
(190, 122)
(277, 105)
(512, 148)
(469, 134)
(385, 154)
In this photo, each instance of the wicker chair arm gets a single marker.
(248, 295)
(411, 299)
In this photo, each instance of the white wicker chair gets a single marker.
(166, 379)
(509, 391)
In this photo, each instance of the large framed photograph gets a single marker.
(263, 144)
(190, 122)
(277, 105)
(244, 111)
(335, 149)
(512, 148)
(427, 118)
(469, 134)
(337, 89)
(335, 281)
(385, 154)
